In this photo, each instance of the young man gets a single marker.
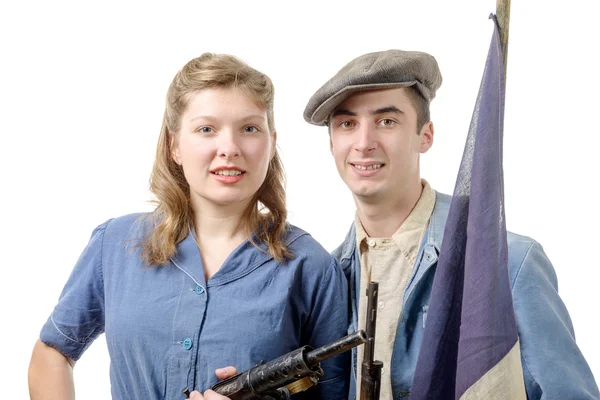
(376, 109)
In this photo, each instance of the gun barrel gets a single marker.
(333, 349)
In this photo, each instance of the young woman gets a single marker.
(215, 275)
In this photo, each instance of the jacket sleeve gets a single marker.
(553, 365)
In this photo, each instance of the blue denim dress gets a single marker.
(168, 329)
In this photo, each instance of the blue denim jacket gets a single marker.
(553, 365)
(167, 328)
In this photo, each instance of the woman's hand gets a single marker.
(208, 395)
(222, 374)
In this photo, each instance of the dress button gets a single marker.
(371, 243)
(199, 290)
(186, 344)
(381, 304)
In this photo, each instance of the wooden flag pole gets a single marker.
(503, 17)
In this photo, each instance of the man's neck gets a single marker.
(381, 218)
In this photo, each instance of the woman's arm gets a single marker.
(50, 374)
(75, 322)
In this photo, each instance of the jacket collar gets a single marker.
(437, 222)
(188, 259)
(434, 233)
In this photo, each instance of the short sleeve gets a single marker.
(78, 318)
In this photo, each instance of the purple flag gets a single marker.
(470, 346)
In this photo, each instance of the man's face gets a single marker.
(376, 143)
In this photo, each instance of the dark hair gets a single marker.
(421, 105)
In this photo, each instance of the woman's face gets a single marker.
(224, 147)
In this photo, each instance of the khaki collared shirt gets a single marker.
(390, 262)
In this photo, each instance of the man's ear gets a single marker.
(174, 149)
(426, 135)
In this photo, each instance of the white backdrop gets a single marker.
(82, 92)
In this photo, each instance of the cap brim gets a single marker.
(321, 114)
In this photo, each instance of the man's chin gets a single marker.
(365, 192)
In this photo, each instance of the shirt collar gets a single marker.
(360, 231)
(418, 217)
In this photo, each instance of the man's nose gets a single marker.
(366, 140)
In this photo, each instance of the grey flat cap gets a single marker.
(380, 70)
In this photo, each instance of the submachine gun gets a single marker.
(289, 374)
(300, 369)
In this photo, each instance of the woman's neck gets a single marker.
(218, 232)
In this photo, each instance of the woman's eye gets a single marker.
(250, 129)
(205, 129)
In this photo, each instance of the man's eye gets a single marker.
(346, 124)
(250, 129)
(387, 122)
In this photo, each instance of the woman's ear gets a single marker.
(274, 144)
(174, 149)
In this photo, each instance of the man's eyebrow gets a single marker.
(343, 111)
(387, 109)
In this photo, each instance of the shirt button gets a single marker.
(186, 344)
(199, 290)
(381, 304)
(371, 243)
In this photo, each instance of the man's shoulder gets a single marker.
(346, 248)
(337, 253)
(519, 246)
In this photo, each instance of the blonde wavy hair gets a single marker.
(266, 214)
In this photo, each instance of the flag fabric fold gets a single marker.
(470, 347)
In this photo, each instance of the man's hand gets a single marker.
(222, 374)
